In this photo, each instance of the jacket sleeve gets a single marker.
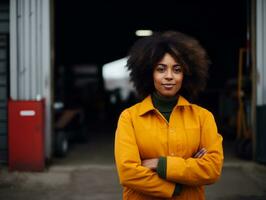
(204, 170)
(128, 163)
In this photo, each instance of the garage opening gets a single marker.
(89, 35)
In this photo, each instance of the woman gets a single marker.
(165, 146)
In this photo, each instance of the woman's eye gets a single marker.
(177, 69)
(160, 68)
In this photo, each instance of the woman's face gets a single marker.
(167, 76)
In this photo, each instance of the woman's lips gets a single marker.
(168, 86)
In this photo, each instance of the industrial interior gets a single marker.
(87, 36)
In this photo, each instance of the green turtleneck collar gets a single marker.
(164, 104)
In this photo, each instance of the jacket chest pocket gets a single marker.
(152, 142)
(193, 140)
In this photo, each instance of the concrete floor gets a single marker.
(88, 172)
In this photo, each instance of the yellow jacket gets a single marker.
(143, 133)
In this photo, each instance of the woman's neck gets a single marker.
(165, 98)
(162, 103)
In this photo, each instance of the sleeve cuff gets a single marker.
(177, 189)
(161, 168)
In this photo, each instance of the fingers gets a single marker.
(150, 163)
(200, 153)
(144, 162)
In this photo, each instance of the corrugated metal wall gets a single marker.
(260, 142)
(31, 56)
(4, 65)
(261, 51)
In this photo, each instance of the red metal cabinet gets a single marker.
(26, 135)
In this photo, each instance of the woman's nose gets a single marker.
(169, 74)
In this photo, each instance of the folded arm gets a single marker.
(131, 173)
(203, 168)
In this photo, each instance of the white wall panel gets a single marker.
(261, 51)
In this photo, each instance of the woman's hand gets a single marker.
(200, 153)
(150, 163)
(153, 162)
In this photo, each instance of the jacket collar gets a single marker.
(146, 105)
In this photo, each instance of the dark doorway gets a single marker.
(89, 34)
